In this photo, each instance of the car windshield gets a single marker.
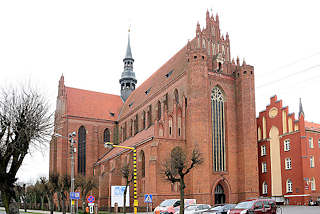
(191, 207)
(167, 203)
(244, 205)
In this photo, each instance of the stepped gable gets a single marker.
(155, 82)
(312, 126)
(91, 104)
(131, 142)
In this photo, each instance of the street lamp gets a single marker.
(135, 201)
(72, 150)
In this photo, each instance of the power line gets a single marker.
(291, 63)
(287, 76)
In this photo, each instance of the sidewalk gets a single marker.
(2, 210)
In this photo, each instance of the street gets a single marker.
(299, 210)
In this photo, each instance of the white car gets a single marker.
(195, 208)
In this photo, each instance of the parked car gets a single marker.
(195, 209)
(256, 206)
(172, 205)
(220, 209)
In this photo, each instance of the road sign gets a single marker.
(90, 204)
(147, 198)
(91, 209)
(91, 199)
(74, 195)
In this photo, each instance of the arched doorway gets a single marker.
(219, 196)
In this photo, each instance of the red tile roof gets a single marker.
(133, 141)
(155, 82)
(92, 104)
(312, 126)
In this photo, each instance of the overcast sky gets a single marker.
(86, 41)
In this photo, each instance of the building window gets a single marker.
(82, 150)
(264, 188)
(143, 120)
(264, 128)
(143, 164)
(106, 135)
(136, 124)
(263, 150)
(310, 142)
(264, 167)
(286, 145)
(312, 162)
(149, 116)
(218, 129)
(179, 125)
(288, 163)
(259, 133)
(313, 184)
(289, 185)
(176, 96)
(170, 126)
(159, 110)
(319, 143)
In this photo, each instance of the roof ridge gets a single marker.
(92, 91)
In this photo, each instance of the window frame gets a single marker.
(288, 164)
(289, 186)
(264, 167)
(263, 150)
(286, 145)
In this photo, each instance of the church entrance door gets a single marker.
(219, 196)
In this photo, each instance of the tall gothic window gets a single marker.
(82, 150)
(218, 130)
(106, 135)
(143, 164)
(159, 110)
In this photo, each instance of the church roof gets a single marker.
(173, 68)
(312, 126)
(91, 104)
(131, 142)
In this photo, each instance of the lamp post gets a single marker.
(135, 201)
(72, 150)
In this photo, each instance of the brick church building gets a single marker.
(199, 97)
(289, 154)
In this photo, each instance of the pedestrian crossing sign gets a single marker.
(147, 198)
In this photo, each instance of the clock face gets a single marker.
(273, 112)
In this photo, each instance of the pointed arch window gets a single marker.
(82, 150)
(159, 110)
(264, 188)
(218, 129)
(176, 96)
(106, 135)
(289, 185)
(143, 164)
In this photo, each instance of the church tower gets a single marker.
(128, 79)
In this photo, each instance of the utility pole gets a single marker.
(72, 141)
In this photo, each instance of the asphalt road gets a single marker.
(299, 210)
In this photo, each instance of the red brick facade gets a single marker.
(294, 147)
(174, 108)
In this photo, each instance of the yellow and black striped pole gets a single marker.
(135, 202)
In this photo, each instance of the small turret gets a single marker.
(301, 112)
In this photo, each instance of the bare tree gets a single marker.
(85, 185)
(24, 122)
(127, 173)
(64, 188)
(177, 166)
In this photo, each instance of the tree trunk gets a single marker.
(182, 186)
(59, 201)
(10, 205)
(42, 202)
(83, 205)
(63, 204)
(125, 199)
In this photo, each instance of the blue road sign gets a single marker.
(147, 198)
(74, 195)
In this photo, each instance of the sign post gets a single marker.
(148, 200)
(91, 200)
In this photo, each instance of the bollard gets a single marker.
(116, 207)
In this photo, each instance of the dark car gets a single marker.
(220, 209)
(256, 206)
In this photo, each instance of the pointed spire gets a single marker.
(300, 108)
(244, 62)
(128, 52)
